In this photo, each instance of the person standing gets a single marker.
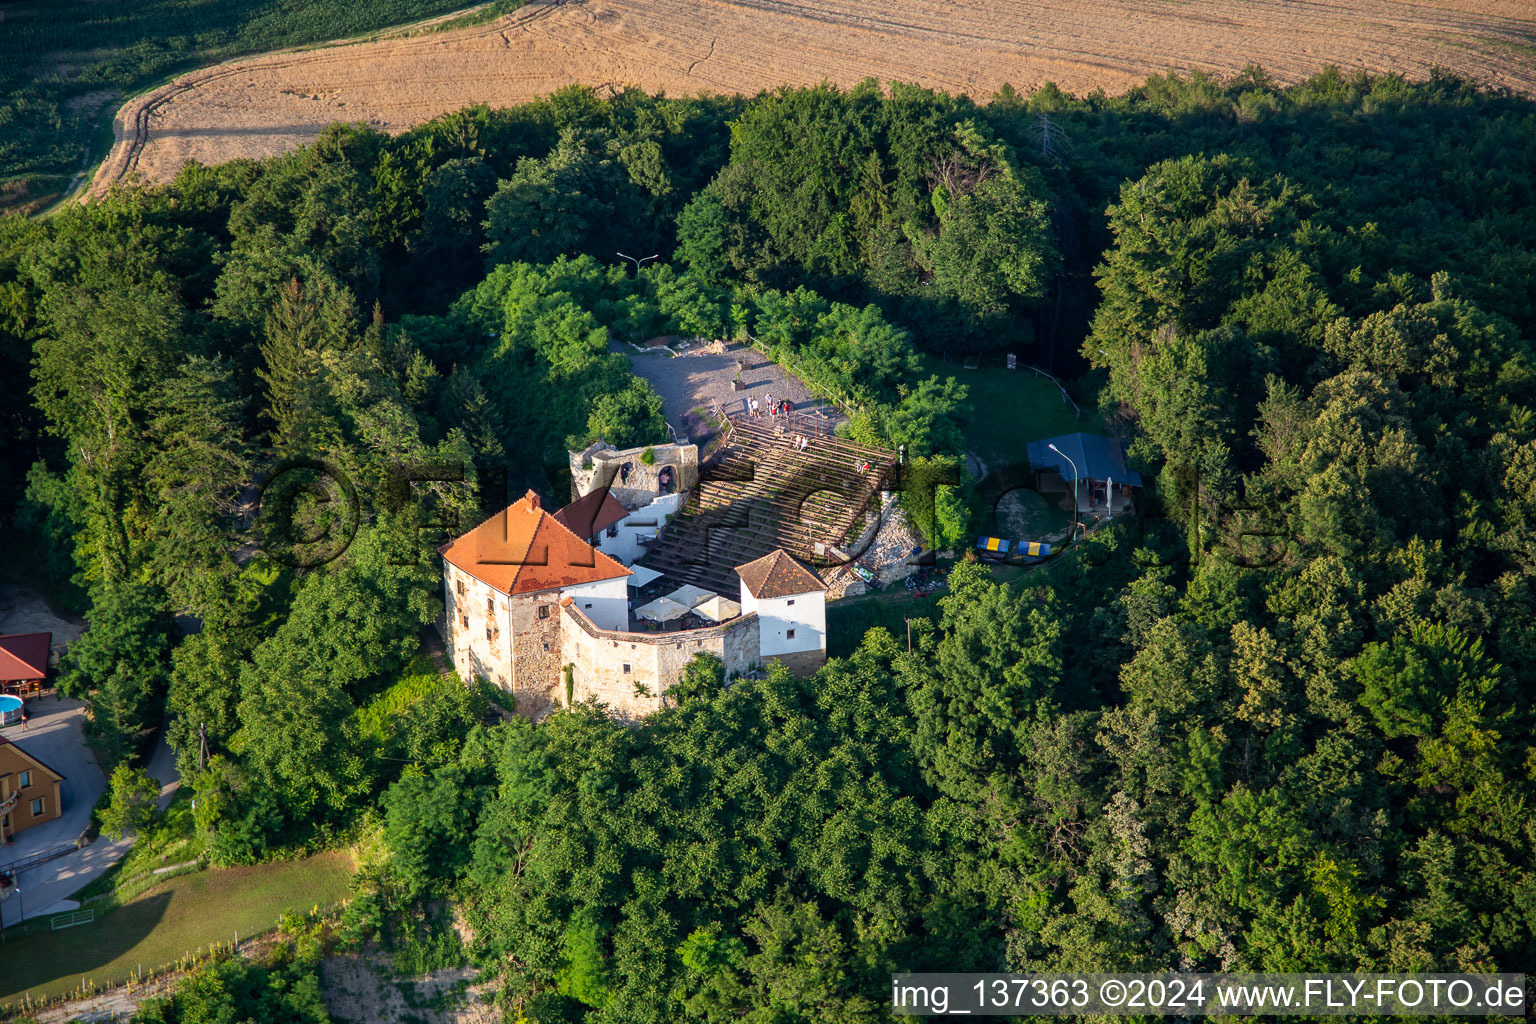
(752, 402)
(768, 399)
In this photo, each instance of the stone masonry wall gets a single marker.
(802, 663)
(536, 656)
(654, 661)
(641, 487)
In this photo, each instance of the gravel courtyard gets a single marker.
(701, 377)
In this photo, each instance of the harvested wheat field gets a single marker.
(264, 105)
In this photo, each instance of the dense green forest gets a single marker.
(66, 64)
(1275, 722)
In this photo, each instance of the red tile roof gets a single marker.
(777, 574)
(591, 514)
(523, 550)
(24, 656)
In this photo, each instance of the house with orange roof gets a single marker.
(503, 582)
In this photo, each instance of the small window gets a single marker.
(789, 634)
(488, 632)
(37, 807)
(613, 531)
(490, 606)
(626, 668)
(587, 605)
(464, 620)
(790, 601)
(26, 780)
(546, 647)
(543, 611)
(459, 588)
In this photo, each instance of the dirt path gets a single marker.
(264, 105)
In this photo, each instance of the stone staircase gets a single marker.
(758, 492)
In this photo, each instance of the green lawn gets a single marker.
(1010, 408)
(185, 914)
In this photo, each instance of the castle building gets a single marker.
(535, 606)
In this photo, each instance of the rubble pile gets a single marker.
(888, 559)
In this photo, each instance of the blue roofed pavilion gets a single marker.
(1097, 458)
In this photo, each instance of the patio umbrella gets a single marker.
(718, 609)
(641, 575)
(663, 609)
(690, 596)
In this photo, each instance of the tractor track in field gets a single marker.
(263, 105)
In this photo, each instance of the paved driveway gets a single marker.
(55, 736)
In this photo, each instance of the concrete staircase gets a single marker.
(758, 492)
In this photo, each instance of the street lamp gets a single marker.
(638, 262)
(1064, 455)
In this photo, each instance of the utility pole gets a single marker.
(202, 745)
(909, 633)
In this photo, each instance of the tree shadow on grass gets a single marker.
(35, 954)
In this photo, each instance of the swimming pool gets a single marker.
(10, 709)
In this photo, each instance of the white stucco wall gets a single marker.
(643, 522)
(468, 615)
(605, 602)
(806, 614)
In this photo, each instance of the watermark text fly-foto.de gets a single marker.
(1193, 995)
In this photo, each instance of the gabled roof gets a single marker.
(1097, 458)
(777, 574)
(592, 513)
(24, 656)
(523, 550)
(28, 755)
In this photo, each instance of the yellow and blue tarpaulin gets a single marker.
(998, 546)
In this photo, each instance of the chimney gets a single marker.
(532, 498)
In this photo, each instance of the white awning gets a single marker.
(718, 609)
(663, 609)
(642, 576)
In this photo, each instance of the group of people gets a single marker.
(755, 409)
